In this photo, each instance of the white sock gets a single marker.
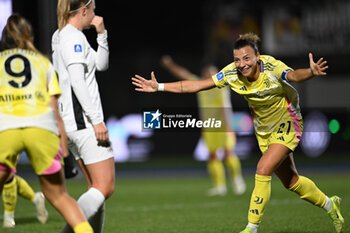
(89, 202)
(328, 205)
(9, 215)
(253, 227)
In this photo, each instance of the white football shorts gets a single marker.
(83, 145)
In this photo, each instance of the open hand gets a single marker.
(319, 67)
(145, 85)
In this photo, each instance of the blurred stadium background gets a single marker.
(194, 33)
(197, 32)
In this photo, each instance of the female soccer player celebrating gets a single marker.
(264, 82)
(29, 119)
(80, 103)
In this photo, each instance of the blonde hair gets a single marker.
(250, 39)
(18, 33)
(66, 8)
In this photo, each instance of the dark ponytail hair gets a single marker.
(248, 39)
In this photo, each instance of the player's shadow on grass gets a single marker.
(26, 220)
(34, 220)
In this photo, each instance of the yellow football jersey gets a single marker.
(271, 98)
(27, 80)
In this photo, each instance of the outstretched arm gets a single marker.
(187, 86)
(315, 69)
(178, 71)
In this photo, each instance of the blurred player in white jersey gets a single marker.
(80, 104)
(264, 82)
(214, 104)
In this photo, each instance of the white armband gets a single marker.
(160, 86)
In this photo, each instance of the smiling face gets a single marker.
(246, 61)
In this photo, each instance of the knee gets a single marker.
(110, 187)
(106, 188)
(110, 190)
(264, 171)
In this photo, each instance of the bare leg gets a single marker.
(287, 172)
(102, 176)
(100, 179)
(305, 188)
(272, 159)
(53, 187)
(85, 172)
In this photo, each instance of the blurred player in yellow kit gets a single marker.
(29, 119)
(265, 83)
(216, 104)
(17, 185)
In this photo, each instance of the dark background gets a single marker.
(139, 33)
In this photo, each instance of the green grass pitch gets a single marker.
(180, 205)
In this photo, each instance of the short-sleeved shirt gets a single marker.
(271, 98)
(27, 80)
(70, 46)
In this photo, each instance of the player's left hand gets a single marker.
(98, 24)
(319, 67)
(101, 132)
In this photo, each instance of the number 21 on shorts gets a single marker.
(284, 127)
